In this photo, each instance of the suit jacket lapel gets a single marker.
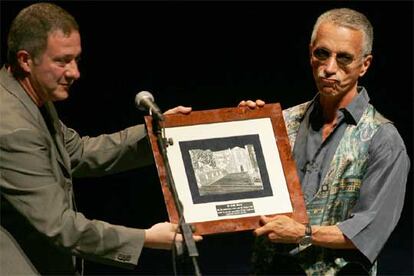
(57, 134)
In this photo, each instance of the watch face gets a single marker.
(306, 240)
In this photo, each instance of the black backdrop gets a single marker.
(211, 55)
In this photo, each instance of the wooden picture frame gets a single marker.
(230, 166)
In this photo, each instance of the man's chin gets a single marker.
(329, 92)
(60, 96)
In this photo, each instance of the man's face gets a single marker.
(56, 69)
(336, 59)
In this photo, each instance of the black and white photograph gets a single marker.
(225, 168)
(226, 171)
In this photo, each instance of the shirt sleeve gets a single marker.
(108, 153)
(379, 207)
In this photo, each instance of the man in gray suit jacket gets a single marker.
(41, 232)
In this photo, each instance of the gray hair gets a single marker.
(351, 19)
(30, 29)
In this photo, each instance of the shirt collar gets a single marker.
(353, 112)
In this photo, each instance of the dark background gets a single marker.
(211, 55)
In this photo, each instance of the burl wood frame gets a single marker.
(272, 111)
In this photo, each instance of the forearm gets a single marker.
(330, 237)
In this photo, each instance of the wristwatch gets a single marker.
(306, 240)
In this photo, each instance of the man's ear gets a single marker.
(365, 65)
(25, 61)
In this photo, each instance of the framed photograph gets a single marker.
(229, 167)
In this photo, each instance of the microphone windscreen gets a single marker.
(141, 97)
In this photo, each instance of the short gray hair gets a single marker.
(351, 19)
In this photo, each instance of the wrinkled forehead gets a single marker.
(338, 38)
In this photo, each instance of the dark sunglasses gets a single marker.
(342, 59)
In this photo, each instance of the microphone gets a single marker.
(145, 101)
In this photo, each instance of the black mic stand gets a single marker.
(186, 229)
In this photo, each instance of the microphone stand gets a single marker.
(186, 229)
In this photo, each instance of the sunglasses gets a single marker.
(343, 59)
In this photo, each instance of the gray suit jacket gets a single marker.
(40, 230)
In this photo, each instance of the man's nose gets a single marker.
(72, 70)
(331, 65)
